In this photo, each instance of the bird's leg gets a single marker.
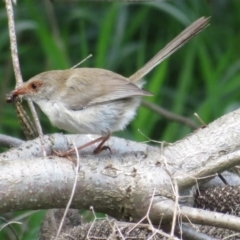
(100, 147)
(97, 150)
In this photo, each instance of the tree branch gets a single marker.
(169, 115)
(7, 141)
(121, 184)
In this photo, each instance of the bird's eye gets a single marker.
(34, 85)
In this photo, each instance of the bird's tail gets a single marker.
(171, 47)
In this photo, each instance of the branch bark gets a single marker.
(121, 184)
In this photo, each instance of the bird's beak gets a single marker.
(19, 91)
(15, 93)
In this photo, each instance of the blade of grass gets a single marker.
(105, 36)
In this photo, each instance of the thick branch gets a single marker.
(120, 184)
(47, 183)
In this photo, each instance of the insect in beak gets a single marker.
(10, 98)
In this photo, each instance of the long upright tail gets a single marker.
(171, 47)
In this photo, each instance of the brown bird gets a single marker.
(92, 100)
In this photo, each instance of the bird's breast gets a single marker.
(98, 119)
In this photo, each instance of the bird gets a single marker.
(94, 100)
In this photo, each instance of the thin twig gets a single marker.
(176, 206)
(16, 67)
(147, 214)
(200, 120)
(90, 55)
(26, 123)
(6, 141)
(169, 115)
(115, 226)
(38, 125)
(148, 219)
(72, 193)
(174, 186)
(13, 43)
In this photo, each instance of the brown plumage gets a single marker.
(92, 100)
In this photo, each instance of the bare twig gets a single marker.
(204, 217)
(171, 116)
(176, 206)
(72, 193)
(149, 220)
(118, 229)
(6, 141)
(93, 222)
(13, 42)
(16, 66)
(27, 125)
(199, 119)
(174, 189)
(38, 125)
(90, 55)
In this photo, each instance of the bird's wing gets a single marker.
(88, 87)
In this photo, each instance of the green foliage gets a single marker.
(201, 77)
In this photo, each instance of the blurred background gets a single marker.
(202, 77)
